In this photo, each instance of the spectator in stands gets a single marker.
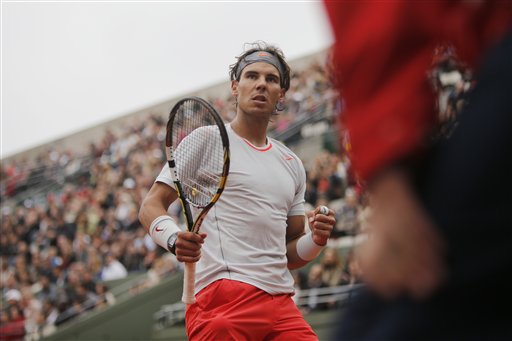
(131, 259)
(5, 330)
(299, 283)
(41, 328)
(5, 271)
(352, 269)
(13, 320)
(364, 199)
(160, 268)
(105, 297)
(11, 327)
(51, 312)
(323, 179)
(113, 269)
(31, 308)
(441, 209)
(452, 82)
(86, 299)
(67, 311)
(332, 267)
(13, 297)
(347, 215)
(314, 282)
(47, 290)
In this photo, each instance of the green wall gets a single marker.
(128, 319)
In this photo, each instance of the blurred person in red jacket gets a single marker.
(437, 260)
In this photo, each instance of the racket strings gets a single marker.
(199, 152)
(195, 188)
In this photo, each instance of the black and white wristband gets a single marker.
(161, 229)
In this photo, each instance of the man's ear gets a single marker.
(280, 102)
(234, 88)
(282, 94)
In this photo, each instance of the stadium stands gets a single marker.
(71, 242)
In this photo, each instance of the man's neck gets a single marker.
(254, 131)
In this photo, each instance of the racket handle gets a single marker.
(189, 280)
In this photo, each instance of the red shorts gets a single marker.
(232, 310)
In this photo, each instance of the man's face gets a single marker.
(259, 89)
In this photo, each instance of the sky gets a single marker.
(70, 65)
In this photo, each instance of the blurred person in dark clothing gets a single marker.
(332, 269)
(347, 215)
(313, 283)
(437, 263)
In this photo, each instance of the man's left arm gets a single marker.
(302, 247)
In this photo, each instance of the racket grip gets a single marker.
(189, 280)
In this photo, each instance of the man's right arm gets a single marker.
(153, 215)
(156, 203)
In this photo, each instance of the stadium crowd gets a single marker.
(69, 220)
(70, 227)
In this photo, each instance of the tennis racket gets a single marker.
(197, 150)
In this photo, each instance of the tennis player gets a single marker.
(255, 233)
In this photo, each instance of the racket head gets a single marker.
(197, 148)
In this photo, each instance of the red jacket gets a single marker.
(382, 53)
(12, 331)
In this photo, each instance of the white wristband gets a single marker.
(307, 249)
(161, 229)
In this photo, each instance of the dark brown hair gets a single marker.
(263, 46)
